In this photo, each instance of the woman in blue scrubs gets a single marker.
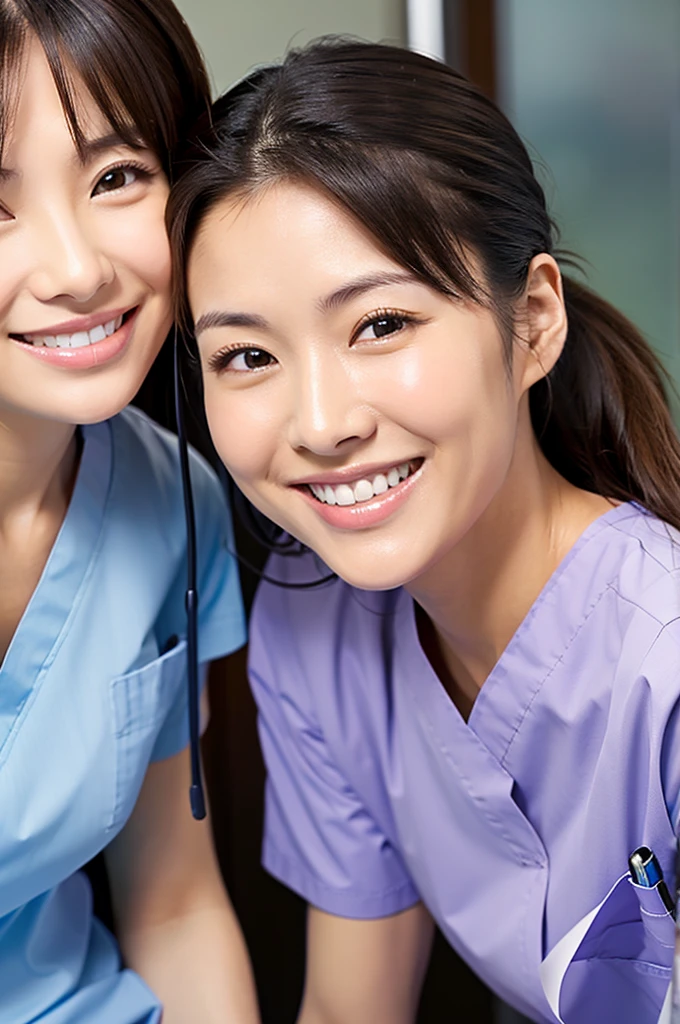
(93, 708)
(477, 723)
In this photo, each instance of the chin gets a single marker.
(367, 564)
(360, 581)
(107, 402)
(367, 574)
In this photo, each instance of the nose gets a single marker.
(67, 262)
(330, 415)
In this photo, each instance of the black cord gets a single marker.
(196, 795)
(280, 543)
(331, 577)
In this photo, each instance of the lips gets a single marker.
(89, 355)
(369, 512)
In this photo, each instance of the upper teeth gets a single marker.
(360, 490)
(77, 340)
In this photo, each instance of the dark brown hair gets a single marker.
(433, 169)
(136, 57)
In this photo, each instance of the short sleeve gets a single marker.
(320, 840)
(221, 624)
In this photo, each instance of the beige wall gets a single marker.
(235, 35)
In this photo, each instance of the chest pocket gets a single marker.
(142, 700)
(622, 966)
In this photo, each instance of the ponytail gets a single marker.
(602, 415)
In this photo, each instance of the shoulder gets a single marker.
(146, 527)
(634, 630)
(308, 635)
(147, 467)
(648, 574)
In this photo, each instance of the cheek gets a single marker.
(17, 261)
(141, 246)
(9, 283)
(444, 392)
(156, 264)
(244, 430)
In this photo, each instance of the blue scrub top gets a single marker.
(88, 699)
(514, 828)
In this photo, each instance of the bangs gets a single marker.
(12, 45)
(135, 60)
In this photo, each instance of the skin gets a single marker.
(301, 385)
(78, 238)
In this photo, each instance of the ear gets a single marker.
(543, 320)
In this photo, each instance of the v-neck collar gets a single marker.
(55, 599)
(540, 640)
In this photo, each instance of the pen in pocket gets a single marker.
(646, 871)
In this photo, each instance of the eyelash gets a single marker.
(219, 362)
(406, 319)
(143, 172)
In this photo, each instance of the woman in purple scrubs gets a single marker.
(475, 721)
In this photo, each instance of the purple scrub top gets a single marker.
(514, 828)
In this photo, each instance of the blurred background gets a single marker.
(593, 86)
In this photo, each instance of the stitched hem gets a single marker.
(343, 903)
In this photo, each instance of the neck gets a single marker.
(38, 460)
(478, 594)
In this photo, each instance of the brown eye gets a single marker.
(382, 326)
(241, 360)
(120, 177)
(256, 358)
(386, 325)
(112, 180)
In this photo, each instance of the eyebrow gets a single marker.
(349, 291)
(91, 148)
(89, 151)
(353, 289)
(221, 318)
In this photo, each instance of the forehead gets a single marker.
(288, 253)
(285, 221)
(32, 102)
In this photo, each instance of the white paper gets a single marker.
(555, 965)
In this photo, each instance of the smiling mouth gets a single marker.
(79, 339)
(365, 489)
